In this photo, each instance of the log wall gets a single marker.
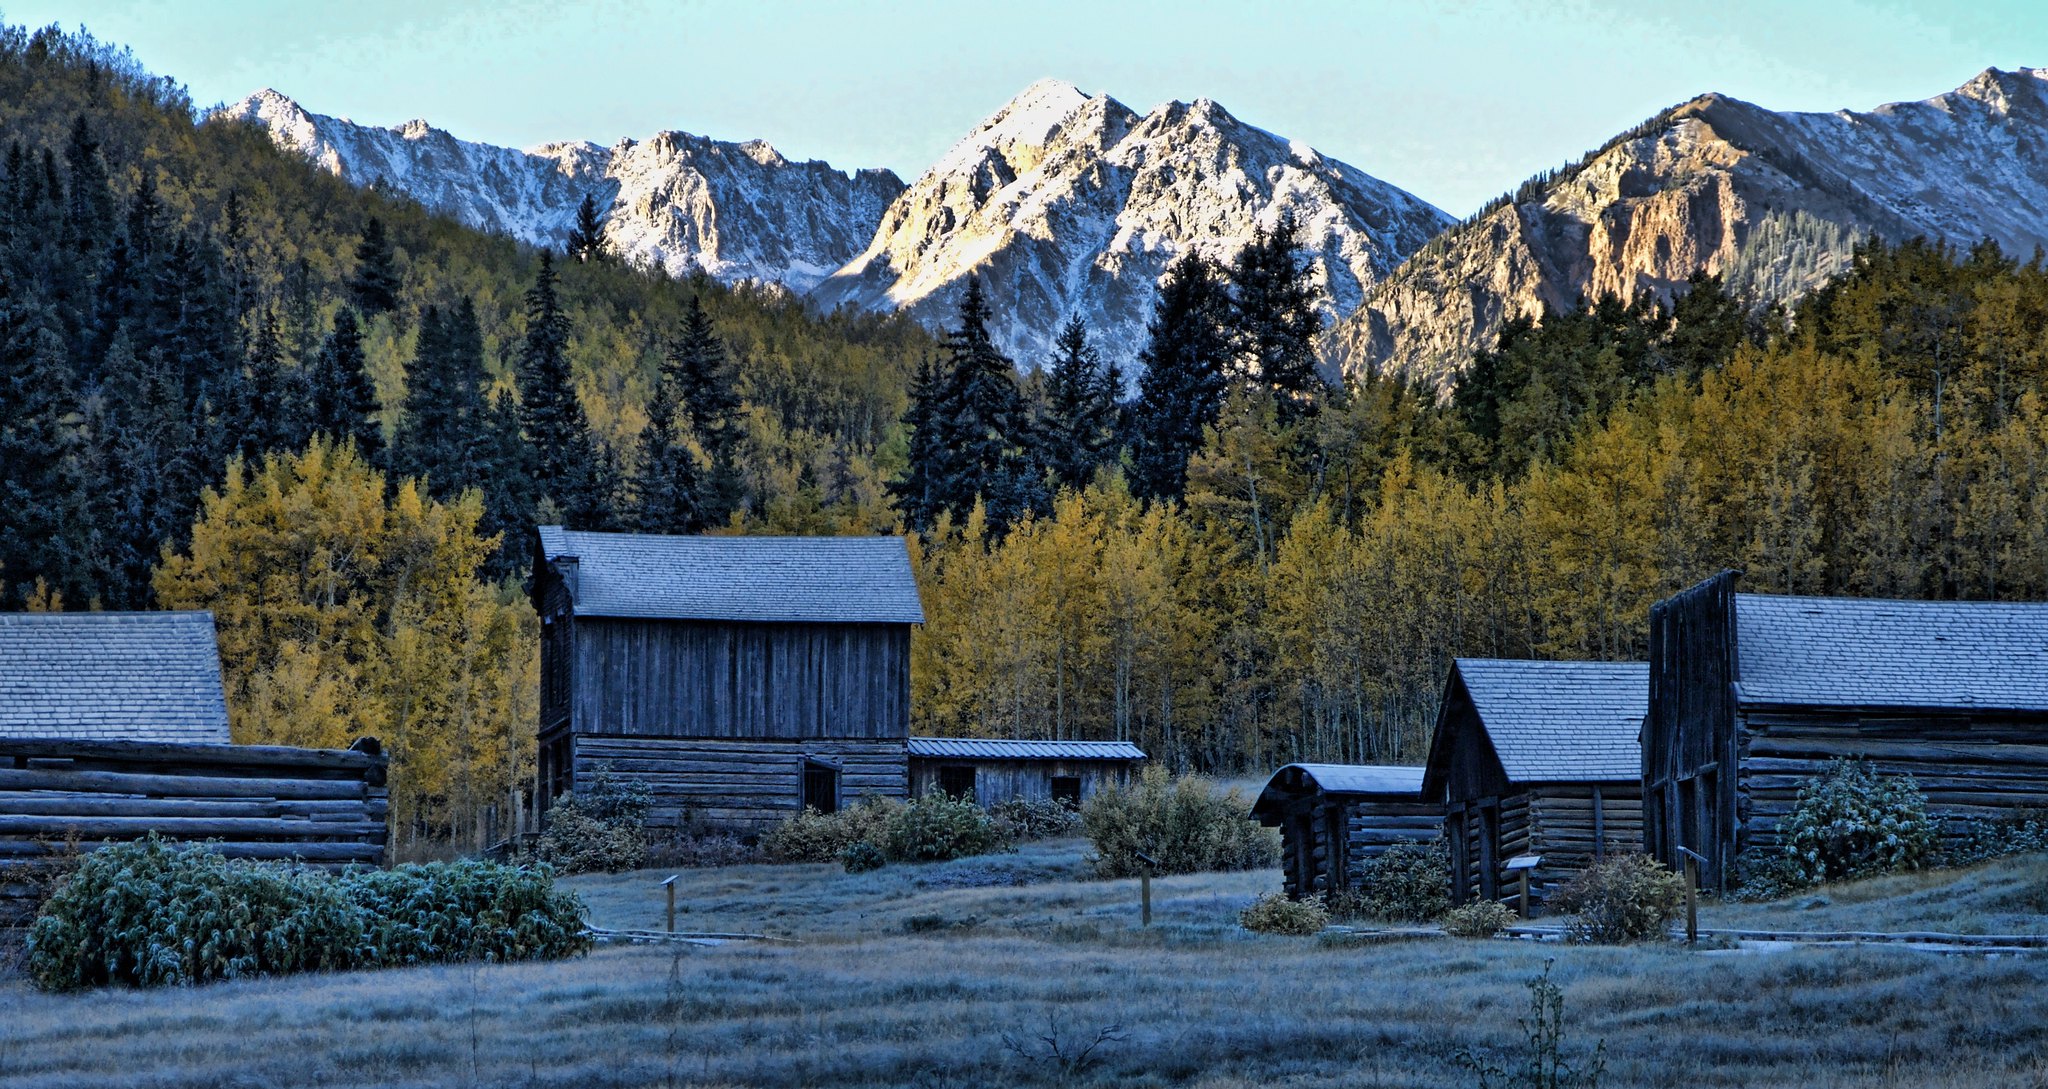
(321, 806)
(1569, 824)
(743, 786)
(1353, 830)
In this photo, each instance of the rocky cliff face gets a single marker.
(1771, 201)
(1068, 203)
(736, 211)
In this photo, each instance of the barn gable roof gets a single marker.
(111, 676)
(1560, 721)
(1295, 780)
(1860, 652)
(986, 748)
(788, 580)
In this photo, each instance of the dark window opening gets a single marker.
(1066, 790)
(957, 782)
(821, 787)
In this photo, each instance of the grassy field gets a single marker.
(1001, 971)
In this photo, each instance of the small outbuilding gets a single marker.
(995, 770)
(1334, 818)
(739, 679)
(1750, 695)
(1537, 759)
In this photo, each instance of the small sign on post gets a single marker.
(670, 885)
(1692, 894)
(1145, 889)
(1521, 866)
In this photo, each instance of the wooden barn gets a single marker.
(1751, 694)
(114, 726)
(1537, 758)
(992, 771)
(738, 678)
(1334, 818)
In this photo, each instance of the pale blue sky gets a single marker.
(1453, 101)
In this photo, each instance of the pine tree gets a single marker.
(1181, 390)
(916, 492)
(986, 433)
(374, 287)
(344, 401)
(664, 487)
(42, 535)
(504, 471)
(1273, 317)
(1077, 426)
(586, 239)
(269, 414)
(565, 455)
(707, 384)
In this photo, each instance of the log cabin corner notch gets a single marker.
(737, 678)
(1537, 758)
(1334, 818)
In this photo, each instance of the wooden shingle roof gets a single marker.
(111, 676)
(1561, 721)
(1859, 652)
(789, 580)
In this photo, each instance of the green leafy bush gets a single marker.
(936, 827)
(601, 830)
(1767, 875)
(1981, 841)
(1406, 883)
(1853, 822)
(1184, 824)
(1478, 919)
(862, 857)
(153, 913)
(1274, 913)
(699, 850)
(1037, 818)
(1630, 898)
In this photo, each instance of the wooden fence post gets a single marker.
(670, 885)
(1145, 888)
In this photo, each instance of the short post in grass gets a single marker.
(670, 885)
(1145, 889)
(1521, 866)
(1692, 895)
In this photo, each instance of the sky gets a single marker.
(1454, 101)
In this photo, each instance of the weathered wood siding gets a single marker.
(998, 781)
(1350, 829)
(744, 785)
(679, 678)
(1570, 825)
(1690, 734)
(252, 801)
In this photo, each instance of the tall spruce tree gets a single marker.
(41, 532)
(983, 430)
(1077, 425)
(707, 385)
(374, 286)
(1181, 391)
(916, 492)
(344, 400)
(270, 408)
(665, 483)
(565, 462)
(586, 239)
(1273, 317)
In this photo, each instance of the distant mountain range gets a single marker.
(1070, 203)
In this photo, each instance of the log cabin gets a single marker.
(1537, 759)
(1750, 695)
(740, 679)
(112, 677)
(1335, 818)
(991, 771)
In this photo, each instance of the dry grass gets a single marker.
(950, 975)
(2009, 896)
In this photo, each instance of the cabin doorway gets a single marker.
(1066, 790)
(821, 787)
(957, 781)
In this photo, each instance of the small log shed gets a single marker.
(1537, 758)
(1334, 818)
(995, 770)
(739, 679)
(1752, 694)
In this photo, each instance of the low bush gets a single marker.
(1037, 818)
(153, 913)
(862, 857)
(1630, 898)
(601, 830)
(1766, 875)
(1853, 822)
(1478, 919)
(1981, 841)
(1185, 825)
(928, 829)
(695, 850)
(1274, 913)
(1406, 883)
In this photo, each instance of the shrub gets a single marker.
(700, 850)
(1184, 824)
(862, 857)
(937, 827)
(1852, 822)
(1630, 898)
(153, 913)
(1408, 882)
(1766, 875)
(1543, 1064)
(1037, 818)
(1983, 840)
(1274, 913)
(601, 830)
(1478, 919)
(811, 836)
